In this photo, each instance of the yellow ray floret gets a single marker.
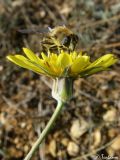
(64, 64)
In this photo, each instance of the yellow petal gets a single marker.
(64, 60)
(30, 54)
(50, 63)
(73, 55)
(110, 61)
(44, 65)
(79, 64)
(44, 56)
(100, 64)
(105, 60)
(23, 62)
(53, 56)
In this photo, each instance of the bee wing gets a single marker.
(34, 31)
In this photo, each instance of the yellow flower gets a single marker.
(62, 65)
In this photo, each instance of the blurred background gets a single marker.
(91, 120)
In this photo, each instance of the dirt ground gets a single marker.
(89, 126)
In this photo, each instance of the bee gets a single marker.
(57, 39)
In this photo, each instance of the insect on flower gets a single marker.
(61, 59)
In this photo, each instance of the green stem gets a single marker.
(45, 131)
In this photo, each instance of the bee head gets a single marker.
(70, 41)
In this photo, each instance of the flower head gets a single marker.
(62, 65)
